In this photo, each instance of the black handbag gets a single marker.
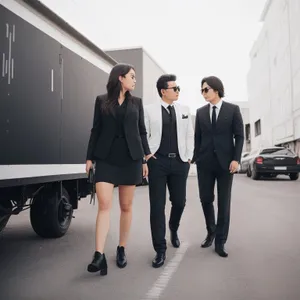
(92, 184)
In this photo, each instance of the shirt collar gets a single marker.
(165, 104)
(218, 105)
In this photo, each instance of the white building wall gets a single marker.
(294, 12)
(280, 70)
(259, 92)
(274, 76)
(151, 72)
(244, 108)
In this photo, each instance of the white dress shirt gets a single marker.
(218, 107)
(165, 105)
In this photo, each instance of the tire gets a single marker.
(51, 215)
(294, 176)
(248, 173)
(4, 216)
(255, 175)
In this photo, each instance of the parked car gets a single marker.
(244, 164)
(272, 161)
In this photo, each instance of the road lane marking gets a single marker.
(162, 282)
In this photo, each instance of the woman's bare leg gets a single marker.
(126, 193)
(104, 192)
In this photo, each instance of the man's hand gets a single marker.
(147, 157)
(234, 165)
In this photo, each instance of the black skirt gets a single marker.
(119, 168)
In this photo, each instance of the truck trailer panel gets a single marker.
(49, 78)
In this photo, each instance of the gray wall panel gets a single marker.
(151, 72)
(134, 57)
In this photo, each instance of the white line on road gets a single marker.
(162, 282)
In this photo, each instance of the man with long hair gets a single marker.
(219, 139)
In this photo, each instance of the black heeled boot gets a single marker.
(98, 264)
(121, 257)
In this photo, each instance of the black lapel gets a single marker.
(111, 111)
(206, 117)
(129, 107)
(222, 114)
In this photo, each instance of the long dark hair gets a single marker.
(215, 83)
(114, 86)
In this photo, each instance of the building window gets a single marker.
(257, 127)
(247, 132)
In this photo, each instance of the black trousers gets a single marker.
(172, 173)
(207, 176)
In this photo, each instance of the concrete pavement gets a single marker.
(263, 247)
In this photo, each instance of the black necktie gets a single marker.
(214, 117)
(171, 110)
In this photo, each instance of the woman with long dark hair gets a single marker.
(118, 144)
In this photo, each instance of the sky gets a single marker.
(190, 38)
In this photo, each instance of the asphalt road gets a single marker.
(263, 247)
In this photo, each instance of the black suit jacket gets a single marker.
(227, 140)
(104, 130)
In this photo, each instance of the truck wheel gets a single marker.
(50, 214)
(5, 213)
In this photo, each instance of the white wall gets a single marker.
(259, 92)
(244, 107)
(274, 76)
(151, 72)
(280, 70)
(294, 6)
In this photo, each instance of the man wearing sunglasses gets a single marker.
(219, 139)
(170, 136)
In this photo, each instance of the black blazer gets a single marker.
(227, 140)
(105, 126)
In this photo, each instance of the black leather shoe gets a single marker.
(208, 241)
(98, 264)
(174, 239)
(159, 260)
(121, 257)
(219, 249)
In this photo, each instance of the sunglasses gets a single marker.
(174, 88)
(205, 90)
